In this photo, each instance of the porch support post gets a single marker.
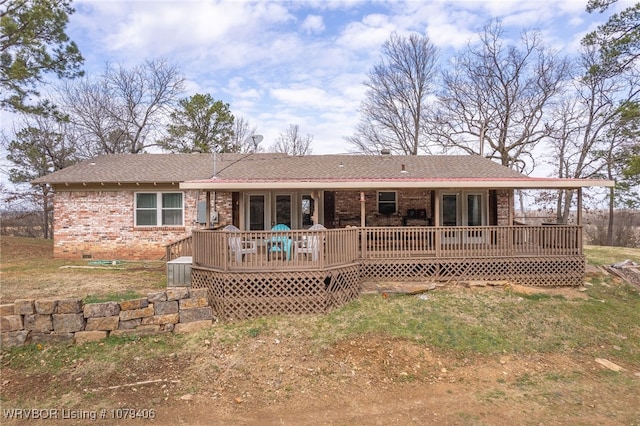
(436, 222)
(512, 207)
(579, 215)
(316, 204)
(362, 210)
(208, 210)
(579, 220)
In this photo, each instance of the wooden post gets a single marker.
(208, 210)
(362, 210)
(512, 207)
(579, 216)
(316, 206)
(436, 221)
(579, 220)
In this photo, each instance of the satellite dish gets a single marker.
(254, 140)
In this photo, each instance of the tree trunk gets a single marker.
(611, 213)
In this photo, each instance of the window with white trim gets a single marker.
(159, 209)
(387, 204)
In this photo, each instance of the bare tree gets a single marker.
(494, 98)
(396, 105)
(292, 142)
(39, 147)
(125, 109)
(583, 131)
(241, 140)
(622, 144)
(88, 104)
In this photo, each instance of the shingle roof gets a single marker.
(147, 168)
(337, 167)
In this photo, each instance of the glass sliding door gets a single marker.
(257, 212)
(450, 210)
(474, 210)
(450, 216)
(462, 208)
(282, 209)
(475, 216)
(306, 211)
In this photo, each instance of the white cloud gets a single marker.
(300, 62)
(368, 34)
(312, 24)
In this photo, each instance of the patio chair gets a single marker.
(312, 244)
(279, 244)
(238, 247)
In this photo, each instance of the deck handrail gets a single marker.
(298, 249)
(471, 241)
(285, 250)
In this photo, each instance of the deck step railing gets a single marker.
(182, 247)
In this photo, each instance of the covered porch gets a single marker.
(386, 218)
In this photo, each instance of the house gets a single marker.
(386, 217)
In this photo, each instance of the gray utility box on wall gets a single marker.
(179, 272)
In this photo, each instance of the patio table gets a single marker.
(278, 244)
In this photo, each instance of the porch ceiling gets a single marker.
(397, 183)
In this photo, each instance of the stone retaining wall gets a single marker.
(178, 310)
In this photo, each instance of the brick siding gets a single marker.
(348, 207)
(99, 225)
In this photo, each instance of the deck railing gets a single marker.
(306, 249)
(471, 241)
(280, 250)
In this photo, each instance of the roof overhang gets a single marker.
(363, 184)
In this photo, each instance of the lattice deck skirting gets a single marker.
(242, 295)
(542, 271)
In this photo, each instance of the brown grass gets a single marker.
(28, 270)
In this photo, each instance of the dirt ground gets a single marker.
(371, 380)
(277, 378)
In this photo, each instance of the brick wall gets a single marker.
(178, 310)
(347, 204)
(224, 208)
(100, 225)
(504, 207)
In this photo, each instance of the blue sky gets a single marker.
(299, 62)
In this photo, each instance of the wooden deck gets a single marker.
(300, 249)
(257, 273)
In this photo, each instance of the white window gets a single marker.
(387, 204)
(159, 209)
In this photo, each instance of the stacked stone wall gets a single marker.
(177, 310)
